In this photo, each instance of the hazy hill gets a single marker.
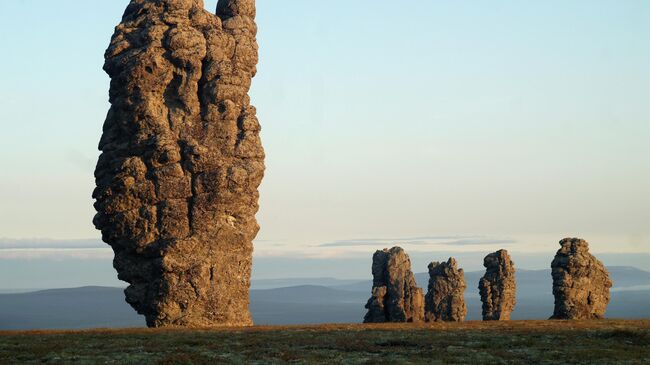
(85, 307)
(529, 282)
(341, 302)
(287, 282)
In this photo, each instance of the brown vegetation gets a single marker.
(513, 342)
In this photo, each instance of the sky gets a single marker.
(446, 127)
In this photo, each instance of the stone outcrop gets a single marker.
(497, 287)
(580, 282)
(445, 298)
(395, 294)
(177, 180)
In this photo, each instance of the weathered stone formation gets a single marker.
(395, 294)
(445, 299)
(182, 160)
(497, 287)
(580, 282)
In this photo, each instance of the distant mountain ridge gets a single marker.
(286, 282)
(528, 281)
(341, 302)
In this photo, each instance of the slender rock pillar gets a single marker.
(497, 287)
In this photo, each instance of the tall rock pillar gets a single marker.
(445, 299)
(395, 294)
(497, 287)
(177, 180)
(580, 282)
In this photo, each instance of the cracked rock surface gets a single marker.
(580, 282)
(445, 299)
(181, 162)
(395, 294)
(497, 287)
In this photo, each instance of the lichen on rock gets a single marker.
(177, 180)
(581, 282)
(395, 294)
(498, 287)
(445, 299)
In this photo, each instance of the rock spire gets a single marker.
(445, 298)
(580, 282)
(395, 294)
(181, 160)
(497, 287)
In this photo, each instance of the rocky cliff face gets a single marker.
(445, 299)
(395, 295)
(580, 282)
(181, 160)
(497, 287)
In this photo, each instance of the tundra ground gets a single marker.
(516, 342)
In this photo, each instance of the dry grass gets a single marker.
(517, 342)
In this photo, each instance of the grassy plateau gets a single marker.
(515, 342)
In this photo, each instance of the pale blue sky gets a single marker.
(518, 120)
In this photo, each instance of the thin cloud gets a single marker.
(426, 240)
(35, 244)
(375, 241)
(56, 254)
(480, 241)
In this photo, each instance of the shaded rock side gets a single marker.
(497, 287)
(181, 162)
(445, 299)
(395, 294)
(581, 282)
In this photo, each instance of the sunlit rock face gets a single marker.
(497, 287)
(177, 180)
(580, 282)
(395, 294)
(445, 299)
